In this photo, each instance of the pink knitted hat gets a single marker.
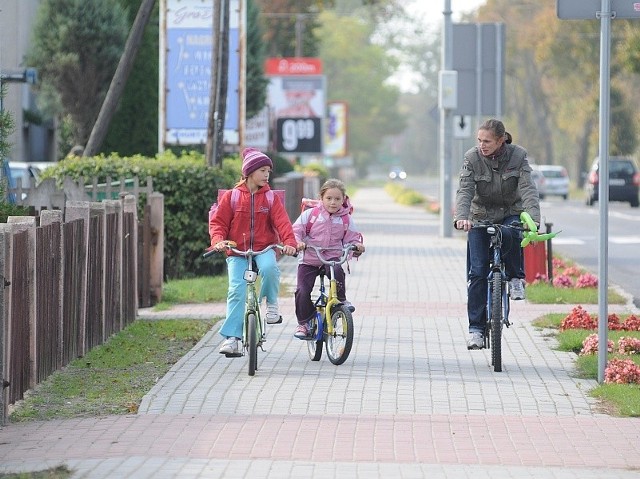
(252, 160)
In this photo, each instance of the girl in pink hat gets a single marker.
(256, 219)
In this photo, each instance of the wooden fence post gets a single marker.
(54, 217)
(5, 277)
(20, 224)
(79, 210)
(130, 207)
(156, 273)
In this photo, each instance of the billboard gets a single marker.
(296, 97)
(185, 72)
(336, 132)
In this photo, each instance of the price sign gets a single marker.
(299, 135)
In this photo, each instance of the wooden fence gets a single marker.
(69, 284)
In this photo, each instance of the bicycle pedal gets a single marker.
(233, 355)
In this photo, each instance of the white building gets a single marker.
(29, 141)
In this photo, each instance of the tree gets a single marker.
(76, 45)
(134, 128)
(256, 81)
(119, 80)
(357, 71)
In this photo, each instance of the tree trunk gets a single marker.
(119, 80)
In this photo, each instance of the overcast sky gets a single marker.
(431, 12)
(432, 9)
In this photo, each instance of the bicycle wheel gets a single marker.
(314, 345)
(496, 321)
(340, 342)
(253, 343)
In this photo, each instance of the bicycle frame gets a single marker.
(496, 265)
(326, 307)
(253, 326)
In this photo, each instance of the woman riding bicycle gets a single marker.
(251, 223)
(495, 186)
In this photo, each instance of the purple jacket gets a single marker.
(328, 231)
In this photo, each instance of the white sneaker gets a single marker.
(475, 341)
(273, 315)
(230, 347)
(516, 289)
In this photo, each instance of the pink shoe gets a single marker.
(301, 331)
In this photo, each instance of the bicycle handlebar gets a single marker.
(343, 257)
(527, 226)
(232, 246)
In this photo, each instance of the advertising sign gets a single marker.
(336, 132)
(186, 72)
(296, 97)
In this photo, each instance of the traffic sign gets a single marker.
(461, 126)
(590, 9)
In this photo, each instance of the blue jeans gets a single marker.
(478, 269)
(270, 279)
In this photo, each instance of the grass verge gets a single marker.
(617, 399)
(114, 377)
(545, 293)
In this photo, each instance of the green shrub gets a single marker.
(189, 187)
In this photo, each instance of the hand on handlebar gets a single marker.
(464, 225)
(289, 250)
(223, 245)
(358, 249)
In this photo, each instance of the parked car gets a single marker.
(551, 180)
(12, 170)
(624, 181)
(398, 173)
(25, 171)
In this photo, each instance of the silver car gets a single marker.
(551, 180)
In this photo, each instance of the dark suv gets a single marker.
(624, 179)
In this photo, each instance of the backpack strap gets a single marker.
(315, 212)
(235, 195)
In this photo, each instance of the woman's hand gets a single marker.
(464, 225)
(301, 246)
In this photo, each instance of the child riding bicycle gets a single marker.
(331, 227)
(495, 186)
(252, 222)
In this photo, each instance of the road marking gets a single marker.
(559, 240)
(624, 239)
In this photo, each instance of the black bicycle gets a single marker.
(498, 293)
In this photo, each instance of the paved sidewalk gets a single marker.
(410, 401)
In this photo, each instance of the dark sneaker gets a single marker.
(516, 289)
(475, 341)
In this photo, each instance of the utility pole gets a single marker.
(214, 90)
(447, 102)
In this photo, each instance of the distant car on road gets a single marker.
(551, 180)
(398, 173)
(624, 181)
